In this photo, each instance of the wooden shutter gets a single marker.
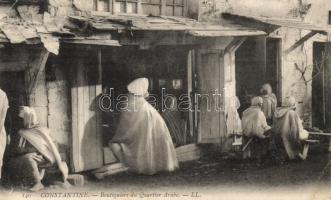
(87, 143)
(210, 77)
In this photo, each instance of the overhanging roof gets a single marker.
(226, 33)
(278, 22)
(18, 31)
(162, 23)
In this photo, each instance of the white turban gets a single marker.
(256, 101)
(139, 87)
(29, 116)
(289, 102)
(266, 87)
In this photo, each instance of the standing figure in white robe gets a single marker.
(142, 140)
(3, 135)
(288, 125)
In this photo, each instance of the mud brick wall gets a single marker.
(58, 104)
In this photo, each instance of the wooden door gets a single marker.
(87, 143)
(209, 101)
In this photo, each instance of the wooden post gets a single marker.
(87, 151)
(35, 84)
(327, 87)
(163, 7)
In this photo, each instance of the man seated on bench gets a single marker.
(288, 125)
(255, 131)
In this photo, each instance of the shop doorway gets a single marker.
(250, 67)
(258, 61)
(273, 66)
(12, 83)
(166, 67)
(319, 85)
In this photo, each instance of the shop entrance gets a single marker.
(167, 72)
(12, 83)
(258, 61)
(319, 85)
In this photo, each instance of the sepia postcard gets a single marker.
(165, 99)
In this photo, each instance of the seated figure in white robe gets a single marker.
(255, 127)
(35, 155)
(142, 140)
(288, 125)
(3, 135)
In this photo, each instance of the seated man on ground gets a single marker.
(288, 125)
(35, 153)
(142, 140)
(255, 130)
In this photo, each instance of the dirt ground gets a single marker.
(213, 177)
(219, 177)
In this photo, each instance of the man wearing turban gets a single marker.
(142, 140)
(288, 125)
(34, 153)
(254, 126)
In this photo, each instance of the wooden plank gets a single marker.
(93, 42)
(80, 117)
(318, 133)
(76, 179)
(88, 142)
(37, 68)
(109, 170)
(186, 148)
(301, 41)
(210, 74)
(87, 136)
(98, 113)
(106, 168)
(163, 7)
(190, 64)
(188, 153)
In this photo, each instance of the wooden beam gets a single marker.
(150, 39)
(318, 133)
(301, 41)
(235, 44)
(92, 42)
(32, 74)
(109, 170)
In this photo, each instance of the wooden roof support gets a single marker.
(301, 41)
(32, 74)
(235, 44)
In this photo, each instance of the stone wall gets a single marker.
(58, 99)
